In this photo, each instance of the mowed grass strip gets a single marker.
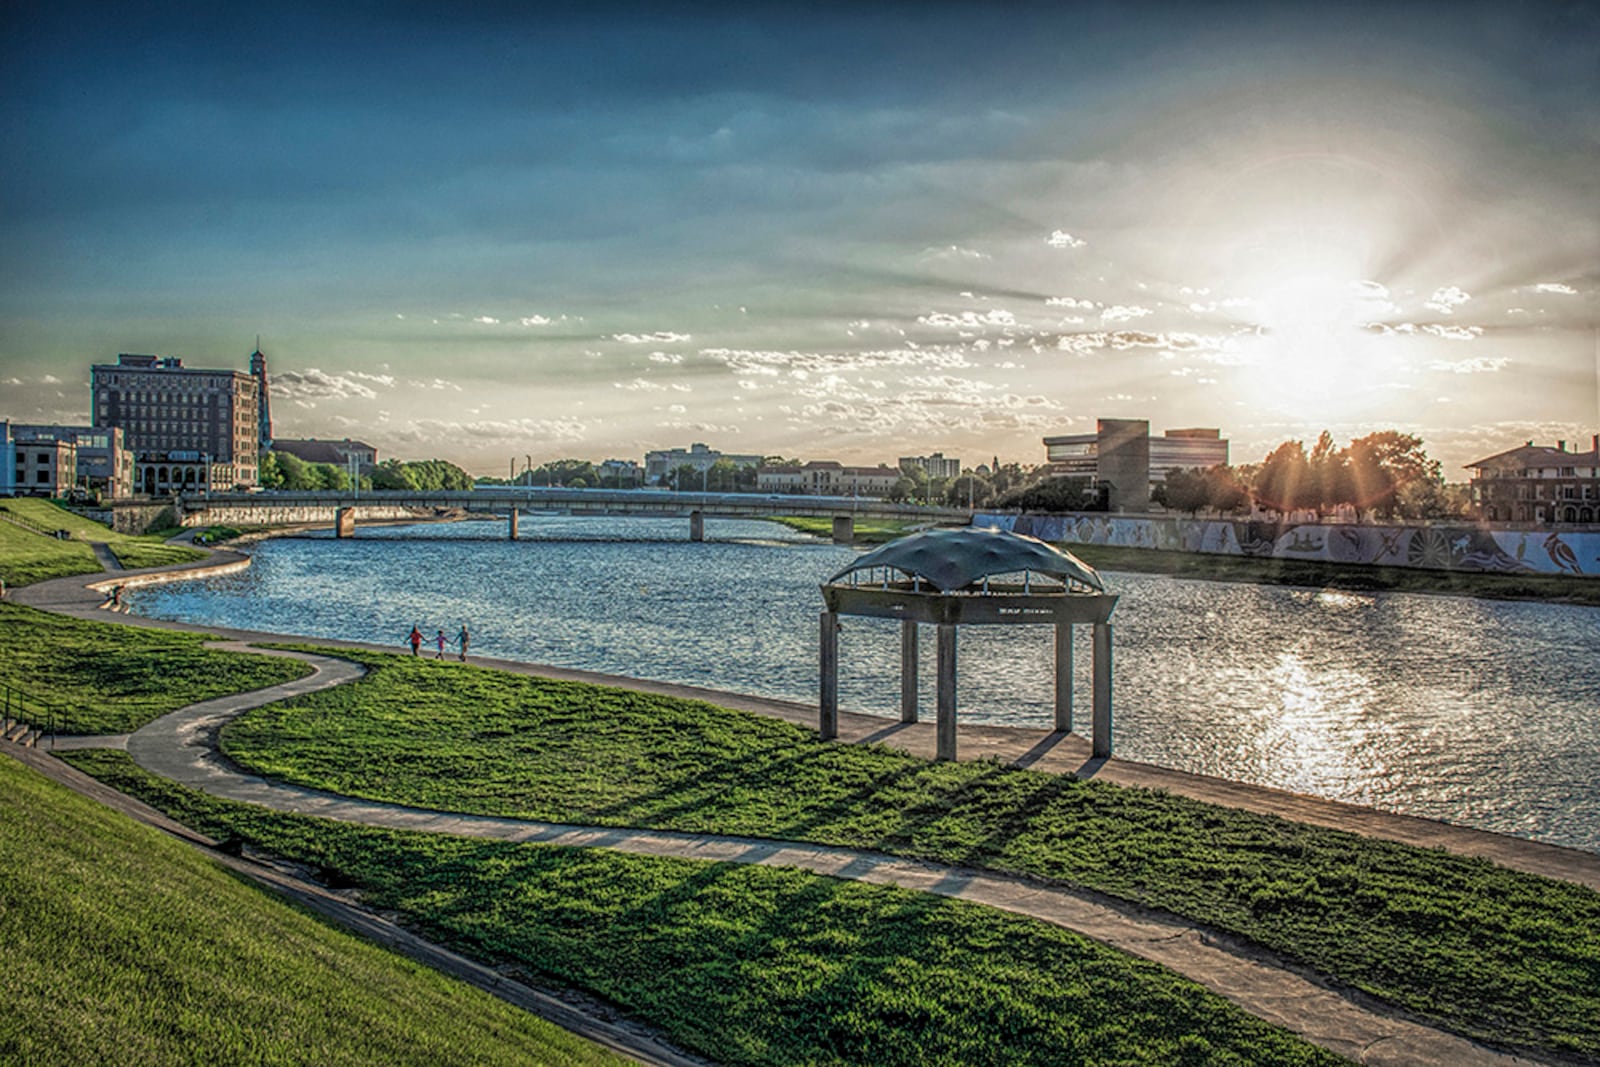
(124, 946)
(864, 531)
(27, 557)
(1488, 952)
(103, 678)
(757, 965)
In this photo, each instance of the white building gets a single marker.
(934, 466)
(662, 462)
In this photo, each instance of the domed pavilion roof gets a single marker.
(954, 559)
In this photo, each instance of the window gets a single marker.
(42, 477)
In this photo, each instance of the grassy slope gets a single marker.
(27, 557)
(1484, 950)
(103, 679)
(110, 957)
(755, 965)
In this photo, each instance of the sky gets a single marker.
(502, 233)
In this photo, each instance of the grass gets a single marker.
(1488, 952)
(27, 557)
(867, 531)
(1349, 576)
(757, 965)
(125, 946)
(105, 679)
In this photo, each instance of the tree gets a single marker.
(1056, 494)
(1225, 489)
(1329, 468)
(268, 473)
(1184, 490)
(1283, 484)
(1384, 463)
(968, 487)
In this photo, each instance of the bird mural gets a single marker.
(1561, 555)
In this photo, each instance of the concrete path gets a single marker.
(182, 746)
(107, 558)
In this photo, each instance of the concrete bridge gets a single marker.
(344, 509)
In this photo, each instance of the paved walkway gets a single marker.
(181, 746)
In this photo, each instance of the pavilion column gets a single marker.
(946, 727)
(1064, 677)
(512, 526)
(1102, 689)
(697, 526)
(908, 670)
(828, 701)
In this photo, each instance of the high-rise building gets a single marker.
(189, 429)
(258, 371)
(934, 466)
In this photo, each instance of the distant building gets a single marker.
(1538, 485)
(662, 462)
(38, 468)
(339, 453)
(189, 428)
(934, 466)
(1122, 456)
(826, 477)
(102, 462)
(620, 473)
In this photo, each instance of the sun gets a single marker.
(1313, 355)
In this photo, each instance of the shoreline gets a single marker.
(1035, 749)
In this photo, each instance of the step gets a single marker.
(29, 739)
(15, 731)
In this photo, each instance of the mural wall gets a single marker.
(1450, 548)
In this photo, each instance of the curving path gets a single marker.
(182, 746)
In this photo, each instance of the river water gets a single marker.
(1482, 713)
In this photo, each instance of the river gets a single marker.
(1481, 713)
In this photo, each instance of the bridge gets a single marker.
(344, 508)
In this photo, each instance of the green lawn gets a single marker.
(867, 531)
(102, 678)
(1484, 950)
(27, 557)
(756, 965)
(124, 946)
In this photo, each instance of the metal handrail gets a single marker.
(45, 719)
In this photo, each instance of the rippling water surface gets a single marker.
(1482, 713)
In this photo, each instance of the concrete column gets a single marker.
(908, 671)
(512, 528)
(1064, 677)
(344, 522)
(946, 727)
(697, 526)
(828, 701)
(1102, 689)
(844, 530)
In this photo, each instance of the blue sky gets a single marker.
(833, 231)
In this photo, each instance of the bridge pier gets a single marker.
(844, 529)
(697, 526)
(511, 527)
(344, 522)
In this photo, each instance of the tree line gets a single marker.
(283, 470)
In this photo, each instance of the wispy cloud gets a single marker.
(661, 337)
(1445, 300)
(1555, 287)
(1068, 302)
(437, 383)
(1063, 239)
(954, 252)
(968, 320)
(1470, 366)
(314, 384)
(1124, 312)
(440, 431)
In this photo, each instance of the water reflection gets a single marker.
(1473, 711)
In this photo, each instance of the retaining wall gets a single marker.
(1435, 547)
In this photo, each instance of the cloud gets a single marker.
(1429, 329)
(662, 337)
(313, 384)
(639, 385)
(968, 320)
(748, 362)
(1470, 366)
(11, 381)
(1124, 312)
(666, 357)
(1555, 287)
(1063, 239)
(954, 252)
(487, 320)
(437, 383)
(1068, 302)
(1446, 300)
(535, 320)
